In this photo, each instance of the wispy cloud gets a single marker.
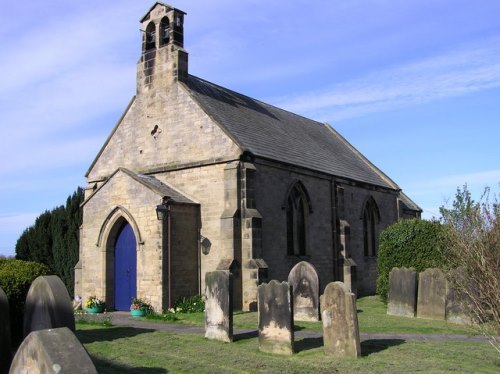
(466, 70)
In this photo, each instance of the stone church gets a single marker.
(195, 177)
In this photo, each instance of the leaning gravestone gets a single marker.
(431, 302)
(275, 318)
(48, 305)
(340, 321)
(303, 279)
(402, 300)
(5, 342)
(219, 306)
(52, 351)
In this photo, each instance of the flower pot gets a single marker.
(94, 309)
(137, 313)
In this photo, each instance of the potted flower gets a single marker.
(139, 308)
(94, 305)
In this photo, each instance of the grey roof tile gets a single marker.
(273, 133)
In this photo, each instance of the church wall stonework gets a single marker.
(205, 185)
(355, 197)
(184, 135)
(273, 183)
(121, 194)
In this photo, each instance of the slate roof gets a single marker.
(160, 187)
(273, 133)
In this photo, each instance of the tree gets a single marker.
(474, 231)
(53, 239)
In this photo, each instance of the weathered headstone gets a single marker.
(340, 321)
(55, 351)
(402, 300)
(458, 303)
(48, 305)
(304, 281)
(5, 337)
(219, 306)
(431, 302)
(275, 317)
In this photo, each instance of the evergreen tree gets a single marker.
(53, 239)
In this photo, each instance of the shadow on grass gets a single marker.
(104, 366)
(307, 343)
(376, 345)
(298, 328)
(108, 334)
(246, 335)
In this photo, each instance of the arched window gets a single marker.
(371, 218)
(297, 211)
(164, 31)
(151, 36)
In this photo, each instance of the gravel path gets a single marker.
(124, 319)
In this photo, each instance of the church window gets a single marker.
(297, 209)
(164, 31)
(371, 218)
(151, 36)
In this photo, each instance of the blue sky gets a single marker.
(414, 85)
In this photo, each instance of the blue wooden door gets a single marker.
(125, 268)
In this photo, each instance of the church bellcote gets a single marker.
(163, 59)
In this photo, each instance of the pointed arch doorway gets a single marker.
(125, 269)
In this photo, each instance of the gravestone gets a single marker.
(275, 318)
(48, 305)
(340, 321)
(219, 306)
(304, 281)
(431, 302)
(5, 337)
(55, 351)
(458, 303)
(402, 300)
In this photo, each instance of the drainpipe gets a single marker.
(168, 256)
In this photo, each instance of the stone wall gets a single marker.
(205, 185)
(162, 130)
(272, 184)
(121, 198)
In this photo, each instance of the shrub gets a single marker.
(193, 304)
(413, 243)
(16, 277)
(474, 249)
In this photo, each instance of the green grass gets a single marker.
(124, 349)
(372, 318)
(131, 350)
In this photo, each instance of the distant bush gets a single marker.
(16, 277)
(415, 243)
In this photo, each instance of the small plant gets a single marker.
(193, 304)
(139, 304)
(168, 316)
(94, 302)
(102, 319)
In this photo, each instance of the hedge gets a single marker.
(16, 277)
(413, 243)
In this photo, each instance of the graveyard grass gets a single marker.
(119, 349)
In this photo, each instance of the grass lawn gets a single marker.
(372, 318)
(125, 349)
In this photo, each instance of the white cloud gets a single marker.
(470, 69)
